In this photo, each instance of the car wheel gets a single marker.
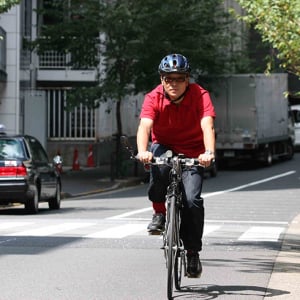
(32, 203)
(54, 203)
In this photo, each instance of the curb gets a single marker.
(119, 184)
(285, 276)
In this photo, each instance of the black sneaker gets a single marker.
(157, 224)
(194, 267)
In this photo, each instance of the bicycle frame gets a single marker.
(173, 245)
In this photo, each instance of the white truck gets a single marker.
(253, 118)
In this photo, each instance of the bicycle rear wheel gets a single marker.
(171, 246)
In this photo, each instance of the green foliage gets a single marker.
(5, 5)
(136, 35)
(278, 22)
(71, 28)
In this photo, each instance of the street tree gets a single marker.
(278, 22)
(134, 36)
(5, 5)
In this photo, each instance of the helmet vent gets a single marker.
(174, 63)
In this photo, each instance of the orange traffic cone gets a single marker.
(76, 165)
(90, 159)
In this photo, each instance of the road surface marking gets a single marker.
(8, 225)
(50, 230)
(262, 233)
(117, 232)
(130, 213)
(240, 187)
(210, 228)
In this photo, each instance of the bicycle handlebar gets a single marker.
(168, 159)
(165, 159)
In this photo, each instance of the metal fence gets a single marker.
(53, 60)
(77, 124)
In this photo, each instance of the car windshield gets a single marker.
(11, 149)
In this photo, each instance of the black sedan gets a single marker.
(26, 175)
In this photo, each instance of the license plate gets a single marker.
(228, 153)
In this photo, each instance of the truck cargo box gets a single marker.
(252, 117)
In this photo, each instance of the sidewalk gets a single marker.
(284, 282)
(92, 180)
(285, 279)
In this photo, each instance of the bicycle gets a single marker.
(174, 251)
(173, 247)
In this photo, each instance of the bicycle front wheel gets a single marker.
(171, 246)
(179, 268)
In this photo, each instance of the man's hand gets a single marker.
(145, 156)
(206, 158)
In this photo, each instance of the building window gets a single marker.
(78, 124)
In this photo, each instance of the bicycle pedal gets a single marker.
(155, 232)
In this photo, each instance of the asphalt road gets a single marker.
(97, 247)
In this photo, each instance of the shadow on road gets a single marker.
(206, 292)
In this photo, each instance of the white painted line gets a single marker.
(262, 233)
(130, 213)
(117, 232)
(134, 212)
(247, 222)
(210, 228)
(12, 224)
(50, 230)
(248, 184)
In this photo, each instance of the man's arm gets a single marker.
(207, 125)
(142, 139)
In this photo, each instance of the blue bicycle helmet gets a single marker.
(174, 63)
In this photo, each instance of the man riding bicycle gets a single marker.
(179, 116)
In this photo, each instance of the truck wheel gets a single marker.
(268, 157)
(290, 150)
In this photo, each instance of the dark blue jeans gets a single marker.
(193, 212)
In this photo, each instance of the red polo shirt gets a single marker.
(178, 126)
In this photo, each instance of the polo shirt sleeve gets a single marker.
(207, 108)
(148, 109)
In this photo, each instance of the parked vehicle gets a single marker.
(296, 114)
(252, 118)
(26, 175)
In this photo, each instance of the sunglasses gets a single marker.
(167, 79)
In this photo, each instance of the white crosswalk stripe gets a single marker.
(50, 230)
(262, 233)
(7, 225)
(120, 229)
(210, 228)
(117, 232)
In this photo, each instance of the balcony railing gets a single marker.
(54, 60)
